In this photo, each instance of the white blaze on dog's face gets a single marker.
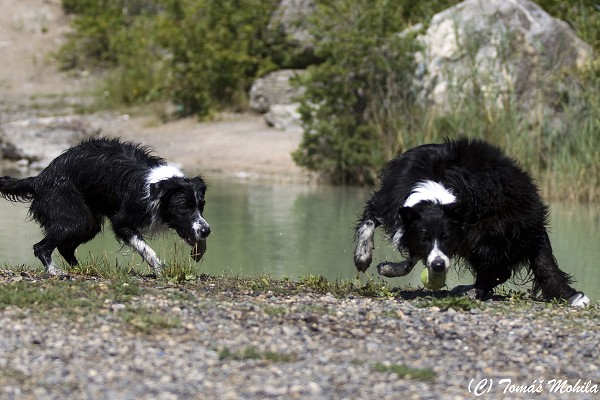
(437, 261)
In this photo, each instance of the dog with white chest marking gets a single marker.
(107, 178)
(466, 200)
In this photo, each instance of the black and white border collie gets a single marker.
(466, 200)
(107, 178)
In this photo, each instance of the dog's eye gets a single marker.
(425, 237)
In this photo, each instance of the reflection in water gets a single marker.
(289, 230)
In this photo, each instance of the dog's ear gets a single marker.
(158, 189)
(408, 215)
(199, 184)
(454, 211)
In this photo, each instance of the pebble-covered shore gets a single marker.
(253, 344)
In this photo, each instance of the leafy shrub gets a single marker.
(353, 96)
(200, 54)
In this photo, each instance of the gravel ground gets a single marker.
(224, 343)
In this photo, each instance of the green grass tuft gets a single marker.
(406, 372)
(252, 353)
(458, 303)
(147, 321)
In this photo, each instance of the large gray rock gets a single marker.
(277, 98)
(292, 20)
(37, 141)
(274, 88)
(284, 117)
(500, 48)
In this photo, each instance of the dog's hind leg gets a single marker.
(67, 221)
(553, 282)
(43, 250)
(68, 253)
(86, 231)
(485, 282)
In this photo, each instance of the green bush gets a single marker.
(200, 54)
(354, 98)
(218, 49)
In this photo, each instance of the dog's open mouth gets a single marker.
(198, 250)
(198, 246)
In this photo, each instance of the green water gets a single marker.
(293, 230)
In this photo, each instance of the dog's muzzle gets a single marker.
(201, 232)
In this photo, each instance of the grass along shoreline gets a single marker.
(81, 295)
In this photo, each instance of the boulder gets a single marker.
(284, 117)
(37, 141)
(274, 88)
(291, 19)
(499, 49)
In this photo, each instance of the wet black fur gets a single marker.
(497, 225)
(103, 178)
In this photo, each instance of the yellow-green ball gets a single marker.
(432, 281)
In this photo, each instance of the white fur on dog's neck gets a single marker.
(155, 175)
(429, 191)
(162, 172)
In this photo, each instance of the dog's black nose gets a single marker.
(438, 265)
(204, 231)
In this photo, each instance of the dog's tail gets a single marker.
(17, 190)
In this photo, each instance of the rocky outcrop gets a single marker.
(34, 142)
(274, 88)
(291, 20)
(498, 48)
(275, 96)
(284, 117)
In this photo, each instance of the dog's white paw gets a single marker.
(579, 300)
(54, 270)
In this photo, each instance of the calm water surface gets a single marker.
(293, 230)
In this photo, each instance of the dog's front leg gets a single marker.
(363, 253)
(149, 255)
(392, 269)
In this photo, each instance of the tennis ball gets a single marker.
(432, 281)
